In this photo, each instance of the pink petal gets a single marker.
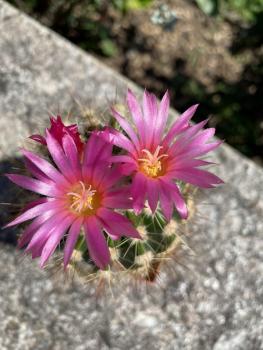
(116, 224)
(118, 199)
(119, 140)
(122, 159)
(150, 112)
(197, 141)
(177, 198)
(36, 211)
(38, 138)
(136, 113)
(45, 230)
(36, 202)
(34, 185)
(138, 192)
(98, 249)
(31, 229)
(73, 235)
(166, 202)
(36, 172)
(180, 124)
(186, 164)
(153, 193)
(199, 150)
(57, 154)
(127, 128)
(111, 177)
(161, 119)
(45, 167)
(184, 140)
(193, 130)
(96, 173)
(54, 240)
(58, 130)
(37, 251)
(71, 152)
(200, 178)
(127, 169)
(98, 148)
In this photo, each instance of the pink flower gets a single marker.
(156, 159)
(75, 194)
(58, 130)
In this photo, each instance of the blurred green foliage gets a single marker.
(86, 23)
(247, 9)
(237, 108)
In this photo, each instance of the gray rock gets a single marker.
(214, 303)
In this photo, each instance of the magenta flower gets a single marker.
(156, 159)
(58, 130)
(76, 193)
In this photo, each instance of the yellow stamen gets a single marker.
(83, 199)
(152, 165)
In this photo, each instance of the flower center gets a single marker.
(84, 200)
(152, 165)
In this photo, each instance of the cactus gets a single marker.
(138, 259)
(115, 198)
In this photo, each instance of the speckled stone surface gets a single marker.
(215, 303)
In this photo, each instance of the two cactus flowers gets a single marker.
(89, 188)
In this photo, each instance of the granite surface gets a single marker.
(214, 302)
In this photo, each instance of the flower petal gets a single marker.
(166, 202)
(118, 199)
(177, 198)
(31, 229)
(197, 177)
(198, 150)
(58, 154)
(36, 172)
(150, 112)
(180, 125)
(136, 113)
(116, 224)
(73, 235)
(45, 167)
(119, 140)
(110, 178)
(153, 193)
(46, 229)
(36, 211)
(35, 185)
(98, 249)
(161, 119)
(71, 152)
(127, 128)
(138, 192)
(183, 142)
(98, 148)
(38, 138)
(186, 164)
(123, 159)
(54, 240)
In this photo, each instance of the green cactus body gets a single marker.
(139, 258)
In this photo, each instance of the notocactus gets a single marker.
(114, 197)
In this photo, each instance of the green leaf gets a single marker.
(209, 7)
(138, 4)
(108, 48)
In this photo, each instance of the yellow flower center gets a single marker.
(152, 165)
(83, 200)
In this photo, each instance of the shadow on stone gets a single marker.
(12, 199)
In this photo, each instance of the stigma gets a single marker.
(82, 199)
(152, 165)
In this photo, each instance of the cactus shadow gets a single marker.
(12, 199)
